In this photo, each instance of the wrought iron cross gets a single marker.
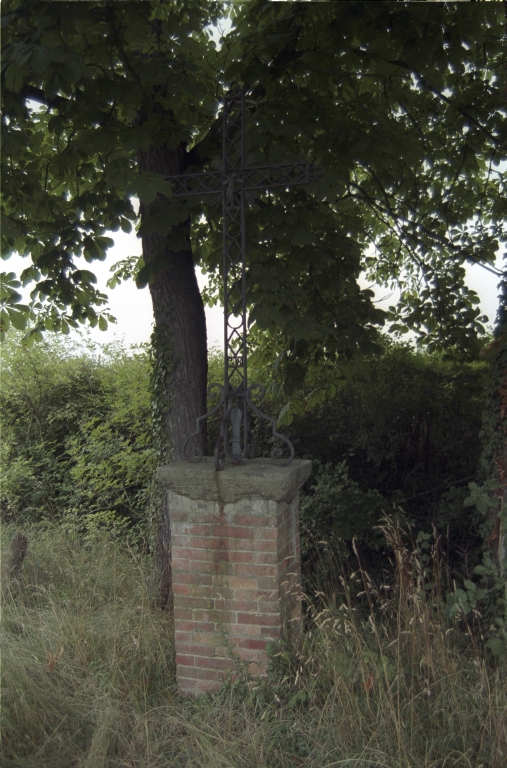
(232, 186)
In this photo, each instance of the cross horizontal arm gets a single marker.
(233, 180)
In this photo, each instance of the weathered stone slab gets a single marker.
(255, 478)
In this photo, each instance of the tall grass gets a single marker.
(87, 666)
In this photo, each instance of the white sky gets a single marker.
(133, 309)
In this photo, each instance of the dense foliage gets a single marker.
(104, 101)
(402, 429)
(77, 438)
(409, 137)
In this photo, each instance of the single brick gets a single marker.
(266, 619)
(253, 521)
(206, 638)
(244, 582)
(197, 579)
(213, 663)
(266, 558)
(214, 616)
(241, 630)
(240, 557)
(257, 594)
(183, 637)
(195, 626)
(246, 654)
(269, 534)
(233, 532)
(251, 644)
(194, 554)
(273, 632)
(191, 603)
(253, 545)
(209, 674)
(182, 613)
(255, 570)
(252, 606)
(189, 529)
(181, 589)
(204, 566)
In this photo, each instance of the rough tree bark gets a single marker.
(181, 324)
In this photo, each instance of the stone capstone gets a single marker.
(252, 479)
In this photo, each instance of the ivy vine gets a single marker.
(161, 365)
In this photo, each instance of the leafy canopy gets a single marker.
(400, 103)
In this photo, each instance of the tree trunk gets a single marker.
(180, 349)
(179, 316)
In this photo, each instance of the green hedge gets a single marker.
(76, 430)
(402, 430)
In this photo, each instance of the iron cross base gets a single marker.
(236, 403)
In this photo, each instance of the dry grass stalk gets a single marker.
(380, 680)
(19, 546)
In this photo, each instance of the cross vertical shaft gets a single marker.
(234, 276)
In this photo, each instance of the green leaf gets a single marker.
(84, 276)
(162, 185)
(73, 69)
(52, 87)
(22, 53)
(19, 316)
(40, 59)
(144, 190)
(149, 271)
(302, 237)
(119, 172)
(4, 320)
(286, 415)
(497, 646)
(14, 78)
(103, 243)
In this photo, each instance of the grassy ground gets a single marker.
(87, 679)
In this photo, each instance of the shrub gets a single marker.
(402, 429)
(76, 434)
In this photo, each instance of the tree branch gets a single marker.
(446, 99)
(409, 233)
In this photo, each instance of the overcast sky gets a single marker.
(133, 310)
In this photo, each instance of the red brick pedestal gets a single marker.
(235, 565)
